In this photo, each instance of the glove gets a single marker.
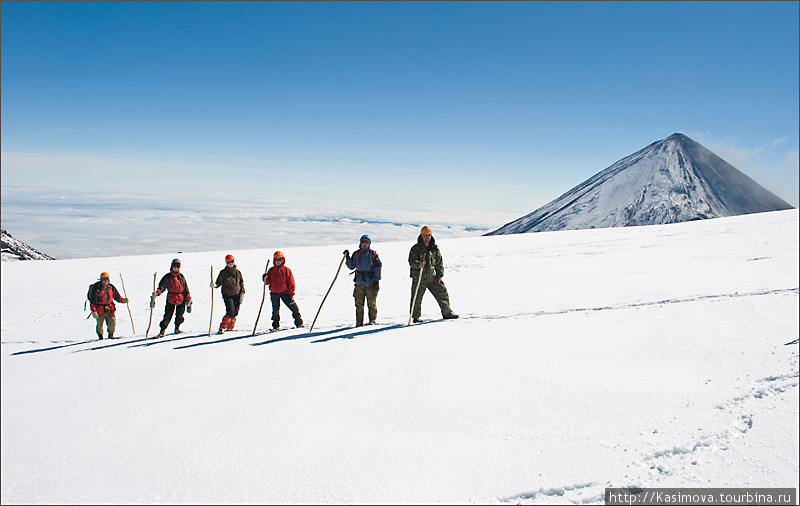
(95, 315)
(346, 253)
(264, 277)
(189, 307)
(157, 292)
(212, 285)
(241, 298)
(153, 300)
(124, 301)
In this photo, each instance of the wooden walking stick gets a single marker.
(211, 318)
(414, 300)
(126, 304)
(152, 305)
(263, 296)
(329, 291)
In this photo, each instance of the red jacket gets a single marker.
(103, 300)
(175, 284)
(280, 280)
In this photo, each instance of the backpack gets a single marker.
(375, 261)
(90, 292)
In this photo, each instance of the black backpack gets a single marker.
(89, 294)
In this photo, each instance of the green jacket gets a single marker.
(434, 266)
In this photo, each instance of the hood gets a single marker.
(432, 244)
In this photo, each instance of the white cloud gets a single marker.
(79, 224)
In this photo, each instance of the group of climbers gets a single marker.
(425, 262)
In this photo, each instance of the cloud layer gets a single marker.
(84, 224)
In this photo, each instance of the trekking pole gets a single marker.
(263, 296)
(152, 305)
(211, 318)
(329, 291)
(126, 304)
(414, 300)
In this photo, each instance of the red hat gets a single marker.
(229, 258)
(104, 275)
(278, 254)
(426, 230)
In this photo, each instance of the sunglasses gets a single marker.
(229, 262)
(278, 260)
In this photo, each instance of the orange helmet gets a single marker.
(426, 230)
(228, 258)
(104, 275)
(278, 254)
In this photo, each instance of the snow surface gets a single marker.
(648, 356)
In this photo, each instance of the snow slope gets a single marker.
(670, 181)
(648, 356)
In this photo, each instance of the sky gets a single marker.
(494, 106)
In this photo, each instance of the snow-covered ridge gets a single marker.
(14, 250)
(670, 181)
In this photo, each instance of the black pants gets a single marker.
(169, 309)
(287, 299)
(231, 305)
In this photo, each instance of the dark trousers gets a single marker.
(287, 299)
(370, 293)
(231, 311)
(169, 309)
(231, 305)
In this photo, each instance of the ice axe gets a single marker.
(126, 304)
(416, 291)
(263, 296)
(329, 291)
(152, 305)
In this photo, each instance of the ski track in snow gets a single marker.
(371, 329)
(653, 468)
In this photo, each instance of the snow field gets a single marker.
(648, 356)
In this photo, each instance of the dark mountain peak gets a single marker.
(672, 180)
(18, 250)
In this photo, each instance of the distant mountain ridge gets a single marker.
(670, 181)
(18, 250)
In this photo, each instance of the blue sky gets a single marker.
(497, 106)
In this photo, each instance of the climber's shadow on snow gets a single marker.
(163, 340)
(51, 348)
(364, 332)
(302, 335)
(218, 341)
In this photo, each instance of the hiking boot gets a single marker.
(99, 337)
(417, 320)
(111, 336)
(178, 331)
(275, 329)
(359, 324)
(372, 322)
(221, 331)
(299, 326)
(450, 316)
(160, 334)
